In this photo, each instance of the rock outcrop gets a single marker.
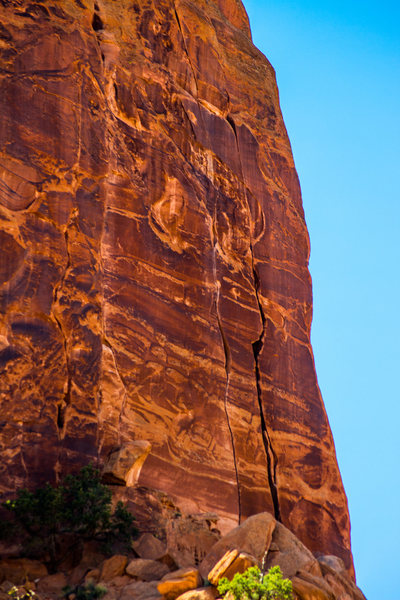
(153, 268)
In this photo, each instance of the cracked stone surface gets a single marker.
(154, 278)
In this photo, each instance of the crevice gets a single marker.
(186, 49)
(228, 362)
(272, 459)
(97, 23)
(61, 408)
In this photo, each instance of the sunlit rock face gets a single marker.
(154, 279)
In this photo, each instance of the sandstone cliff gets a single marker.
(154, 279)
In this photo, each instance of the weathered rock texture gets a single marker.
(154, 280)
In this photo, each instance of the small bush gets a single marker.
(21, 593)
(252, 585)
(77, 510)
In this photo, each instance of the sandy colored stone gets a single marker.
(316, 580)
(149, 547)
(20, 570)
(113, 567)
(154, 263)
(52, 584)
(177, 583)
(231, 563)
(206, 593)
(123, 466)
(93, 575)
(253, 537)
(146, 570)
(306, 590)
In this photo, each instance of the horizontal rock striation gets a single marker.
(153, 274)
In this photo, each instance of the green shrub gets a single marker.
(86, 591)
(252, 585)
(77, 510)
(21, 593)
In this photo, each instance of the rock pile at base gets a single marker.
(150, 573)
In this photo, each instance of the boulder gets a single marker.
(289, 553)
(52, 584)
(309, 591)
(316, 580)
(205, 593)
(93, 575)
(177, 583)
(123, 465)
(19, 570)
(113, 567)
(232, 562)
(343, 587)
(332, 561)
(120, 581)
(148, 546)
(146, 570)
(252, 537)
(141, 590)
(190, 538)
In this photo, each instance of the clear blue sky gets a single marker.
(338, 72)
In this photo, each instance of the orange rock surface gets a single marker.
(153, 269)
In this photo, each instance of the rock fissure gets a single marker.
(228, 361)
(271, 456)
(61, 408)
(272, 459)
(185, 47)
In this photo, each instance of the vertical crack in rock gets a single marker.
(228, 361)
(272, 459)
(56, 301)
(185, 47)
(218, 285)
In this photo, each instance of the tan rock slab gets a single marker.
(231, 563)
(146, 570)
(177, 583)
(113, 567)
(252, 537)
(19, 570)
(205, 593)
(123, 466)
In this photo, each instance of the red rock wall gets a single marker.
(154, 280)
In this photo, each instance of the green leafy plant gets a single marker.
(21, 593)
(86, 591)
(77, 510)
(252, 585)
